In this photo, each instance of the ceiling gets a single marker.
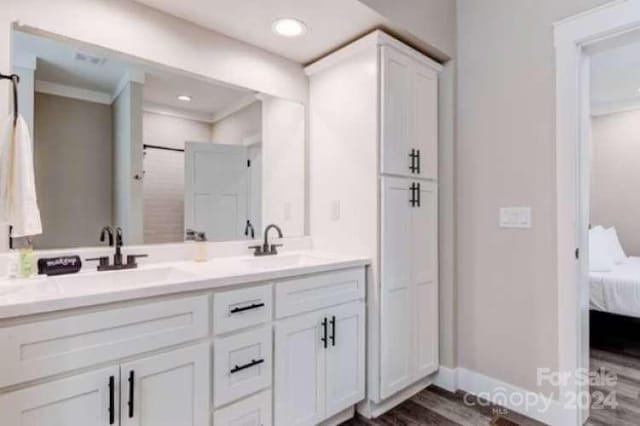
(330, 23)
(615, 77)
(57, 63)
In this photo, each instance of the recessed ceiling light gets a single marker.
(289, 27)
(184, 98)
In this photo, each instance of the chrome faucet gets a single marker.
(267, 249)
(115, 239)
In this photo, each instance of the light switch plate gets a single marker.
(515, 217)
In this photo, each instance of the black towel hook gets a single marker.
(15, 79)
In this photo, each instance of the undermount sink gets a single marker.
(114, 280)
(283, 261)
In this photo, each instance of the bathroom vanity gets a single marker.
(237, 341)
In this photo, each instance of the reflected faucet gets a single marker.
(249, 230)
(267, 249)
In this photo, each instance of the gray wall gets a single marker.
(615, 176)
(73, 163)
(507, 288)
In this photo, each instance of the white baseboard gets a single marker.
(527, 403)
(446, 378)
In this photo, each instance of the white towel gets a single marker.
(18, 201)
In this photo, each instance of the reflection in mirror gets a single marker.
(154, 151)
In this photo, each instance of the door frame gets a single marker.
(575, 38)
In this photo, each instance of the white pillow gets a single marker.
(616, 250)
(600, 258)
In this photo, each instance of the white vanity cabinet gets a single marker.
(81, 400)
(167, 389)
(375, 106)
(320, 356)
(293, 347)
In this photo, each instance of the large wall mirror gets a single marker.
(154, 150)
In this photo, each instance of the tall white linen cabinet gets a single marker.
(374, 191)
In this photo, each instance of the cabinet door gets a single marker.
(345, 357)
(395, 111)
(424, 278)
(424, 136)
(75, 401)
(299, 370)
(252, 411)
(395, 287)
(168, 389)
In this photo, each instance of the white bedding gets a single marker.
(618, 291)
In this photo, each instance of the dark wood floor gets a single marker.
(615, 350)
(438, 407)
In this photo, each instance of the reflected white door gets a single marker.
(216, 190)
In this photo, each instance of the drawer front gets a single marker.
(298, 295)
(253, 411)
(237, 309)
(39, 349)
(242, 365)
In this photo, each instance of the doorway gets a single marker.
(578, 39)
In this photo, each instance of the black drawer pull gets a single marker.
(132, 377)
(419, 196)
(246, 308)
(253, 363)
(418, 158)
(112, 400)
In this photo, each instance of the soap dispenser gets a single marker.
(199, 243)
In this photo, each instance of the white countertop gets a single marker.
(19, 297)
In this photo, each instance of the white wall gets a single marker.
(129, 27)
(235, 128)
(507, 289)
(283, 165)
(615, 176)
(163, 184)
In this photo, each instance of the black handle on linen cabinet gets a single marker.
(418, 200)
(324, 333)
(112, 400)
(413, 156)
(253, 363)
(246, 308)
(418, 161)
(132, 378)
(333, 331)
(413, 199)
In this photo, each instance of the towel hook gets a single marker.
(15, 79)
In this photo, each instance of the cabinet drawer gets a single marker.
(242, 365)
(233, 310)
(43, 348)
(298, 295)
(253, 411)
